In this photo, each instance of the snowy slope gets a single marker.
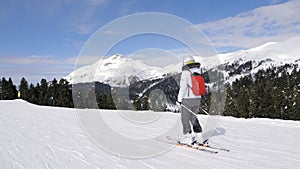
(271, 54)
(37, 137)
(287, 51)
(116, 70)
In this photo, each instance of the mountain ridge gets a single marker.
(119, 70)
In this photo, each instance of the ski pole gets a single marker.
(204, 111)
(188, 109)
(192, 111)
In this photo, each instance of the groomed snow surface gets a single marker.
(38, 137)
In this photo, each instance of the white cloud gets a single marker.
(252, 28)
(34, 73)
(34, 59)
(36, 67)
(48, 60)
(83, 60)
(155, 57)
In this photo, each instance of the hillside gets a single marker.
(36, 137)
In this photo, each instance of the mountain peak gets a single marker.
(116, 70)
(116, 56)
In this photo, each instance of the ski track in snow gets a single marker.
(40, 137)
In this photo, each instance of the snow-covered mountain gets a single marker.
(36, 137)
(119, 70)
(244, 62)
(250, 61)
(280, 53)
(116, 70)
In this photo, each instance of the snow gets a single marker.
(36, 137)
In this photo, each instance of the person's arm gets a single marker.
(183, 85)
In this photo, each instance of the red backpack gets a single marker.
(198, 84)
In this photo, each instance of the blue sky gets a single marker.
(41, 38)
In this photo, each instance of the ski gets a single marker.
(212, 147)
(168, 140)
(198, 148)
(204, 144)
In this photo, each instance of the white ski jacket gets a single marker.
(185, 90)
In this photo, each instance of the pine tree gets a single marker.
(33, 94)
(4, 86)
(230, 106)
(110, 102)
(52, 93)
(137, 103)
(243, 99)
(10, 90)
(23, 88)
(287, 92)
(64, 98)
(259, 87)
(145, 103)
(205, 103)
(100, 98)
(43, 100)
(267, 108)
(295, 88)
(297, 107)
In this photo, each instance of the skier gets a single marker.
(189, 101)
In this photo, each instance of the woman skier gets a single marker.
(189, 102)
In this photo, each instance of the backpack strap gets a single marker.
(188, 83)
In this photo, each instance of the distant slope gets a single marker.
(36, 137)
(280, 52)
(262, 57)
(249, 62)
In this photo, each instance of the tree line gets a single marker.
(271, 93)
(8, 90)
(48, 93)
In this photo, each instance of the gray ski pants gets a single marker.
(187, 118)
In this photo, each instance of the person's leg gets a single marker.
(196, 125)
(185, 118)
(195, 105)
